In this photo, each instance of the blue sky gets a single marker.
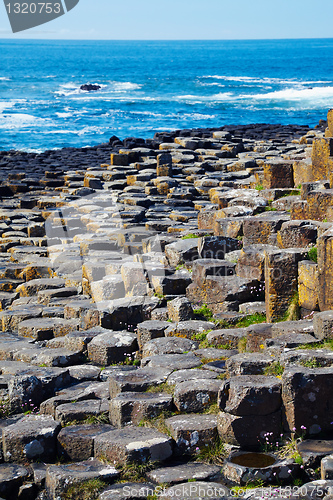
(185, 19)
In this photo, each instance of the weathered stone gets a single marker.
(168, 345)
(215, 247)
(133, 444)
(81, 410)
(187, 329)
(196, 395)
(137, 380)
(322, 150)
(132, 407)
(32, 287)
(226, 337)
(172, 361)
(11, 478)
(262, 229)
(297, 234)
(251, 395)
(323, 325)
(31, 438)
(112, 347)
(312, 451)
(182, 251)
(308, 285)
(197, 491)
(33, 384)
(325, 270)
(149, 330)
(248, 431)
(46, 328)
(187, 375)
(192, 432)
(76, 442)
(184, 472)
(306, 399)
(134, 491)
(60, 479)
(180, 309)
(278, 174)
(281, 273)
(248, 364)
(217, 290)
(202, 268)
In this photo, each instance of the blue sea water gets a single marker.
(150, 86)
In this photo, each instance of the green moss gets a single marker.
(190, 236)
(274, 369)
(324, 344)
(293, 312)
(270, 209)
(310, 363)
(135, 472)
(313, 254)
(162, 388)
(259, 187)
(252, 319)
(212, 409)
(294, 192)
(241, 346)
(84, 491)
(158, 422)
(204, 312)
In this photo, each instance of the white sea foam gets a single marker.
(4, 79)
(64, 115)
(124, 86)
(69, 89)
(251, 79)
(19, 120)
(295, 94)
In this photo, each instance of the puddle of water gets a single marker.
(257, 460)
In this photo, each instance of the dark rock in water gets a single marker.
(133, 142)
(89, 87)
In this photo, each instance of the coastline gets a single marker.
(150, 318)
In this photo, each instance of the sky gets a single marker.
(184, 20)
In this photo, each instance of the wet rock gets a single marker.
(90, 87)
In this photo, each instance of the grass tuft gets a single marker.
(275, 369)
(87, 490)
(212, 454)
(313, 254)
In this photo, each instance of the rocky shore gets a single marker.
(167, 315)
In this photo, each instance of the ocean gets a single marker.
(151, 86)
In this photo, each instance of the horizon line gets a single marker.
(162, 39)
